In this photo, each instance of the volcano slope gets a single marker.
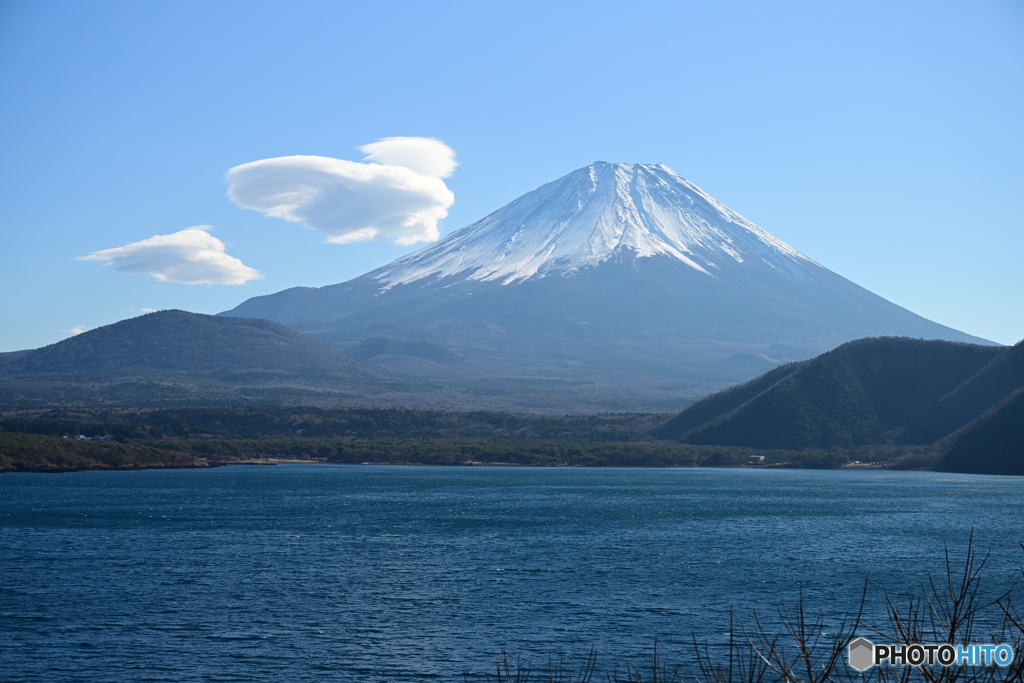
(616, 287)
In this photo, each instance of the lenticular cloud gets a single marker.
(426, 156)
(192, 257)
(400, 200)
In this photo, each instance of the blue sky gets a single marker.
(884, 140)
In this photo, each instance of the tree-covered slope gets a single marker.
(722, 403)
(990, 385)
(990, 444)
(44, 453)
(851, 395)
(177, 341)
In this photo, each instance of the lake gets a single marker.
(383, 573)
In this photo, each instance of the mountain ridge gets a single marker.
(626, 281)
(174, 356)
(179, 341)
(865, 392)
(996, 380)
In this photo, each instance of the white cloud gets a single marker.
(76, 330)
(353, 201)
(147, 310)
(426, 156)
(192, 257)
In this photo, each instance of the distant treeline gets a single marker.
(39, 453)
(187, 436)
(458, 452)
(358, 423)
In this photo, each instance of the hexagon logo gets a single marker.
(862, 654)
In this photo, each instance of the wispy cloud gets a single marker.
(396, 194)
(192, 257)
(76, 330)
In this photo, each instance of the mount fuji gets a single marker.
(615, 287)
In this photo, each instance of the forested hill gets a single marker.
(991, 444)
(855, 394)
(177, 341)
(983, 390)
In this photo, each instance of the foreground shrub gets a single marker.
(805, 647)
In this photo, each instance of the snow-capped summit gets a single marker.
(615, 287)
(590, 216)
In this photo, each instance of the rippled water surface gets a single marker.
(366, 573)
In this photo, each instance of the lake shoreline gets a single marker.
(273, 462)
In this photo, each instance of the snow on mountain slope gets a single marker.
(625, 282)
(587, 217)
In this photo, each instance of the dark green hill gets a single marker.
(849, 396)
(990, 385)
(181, 342)
(721, 403)
(992, 443)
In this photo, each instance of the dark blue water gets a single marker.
(364, 573)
